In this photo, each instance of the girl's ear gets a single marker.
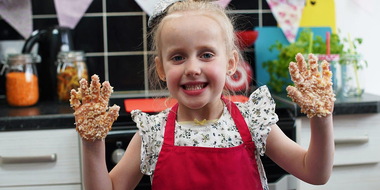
(232, 63)
(160, 68)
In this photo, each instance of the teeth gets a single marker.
(194, 87)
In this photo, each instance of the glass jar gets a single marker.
(71, 68)
(21, 79)
(353, 79)
(333, 59)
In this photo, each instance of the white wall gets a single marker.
(361, 18)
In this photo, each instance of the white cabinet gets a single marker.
(46, 158)
(357, 152)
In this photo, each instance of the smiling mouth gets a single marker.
(194, 87)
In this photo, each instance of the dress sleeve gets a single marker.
(259, 113)
(149, 127)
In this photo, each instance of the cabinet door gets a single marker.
(357, 152)
(39, 157)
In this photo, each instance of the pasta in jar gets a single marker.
(71, 69)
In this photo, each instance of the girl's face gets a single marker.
(194, 60)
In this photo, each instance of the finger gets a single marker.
(325, 70)
(294, 94)
(313, 62)
(302, 66)
(111, 116)
(295, 74)
(95, 88)
(84, 91)
(107, 90)
(74, 99)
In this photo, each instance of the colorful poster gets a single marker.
(319, 13)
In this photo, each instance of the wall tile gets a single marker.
(244, 4)
(269, 20)
(43, 23)
(125, 33)
(88, 35)
(95, 7)
(95, 65)
(122, 6)
(7, 32)
(126, 72)
(43, 7)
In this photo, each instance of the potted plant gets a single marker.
(278, 68)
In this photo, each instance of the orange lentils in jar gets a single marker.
(22, 90)
(21, 80)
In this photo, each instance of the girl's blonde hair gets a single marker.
(203, 7)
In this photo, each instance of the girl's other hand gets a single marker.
(313, 93)
(93, 117)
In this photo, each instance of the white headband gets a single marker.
(160, 9)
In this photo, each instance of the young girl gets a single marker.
(195, 50)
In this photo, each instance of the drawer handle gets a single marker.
(352, 140)
(28, 159)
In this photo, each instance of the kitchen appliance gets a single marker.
(50, 41)
(124, 128)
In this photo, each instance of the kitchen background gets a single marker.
(112, 33)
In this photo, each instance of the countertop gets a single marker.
(52, 115)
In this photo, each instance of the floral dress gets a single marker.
(258, 112)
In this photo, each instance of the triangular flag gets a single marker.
(288, 14)
(69, 12)
(18, 14)
(147, 5)
(223, 3)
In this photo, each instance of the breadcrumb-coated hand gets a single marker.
(93, 117)
(312, 92)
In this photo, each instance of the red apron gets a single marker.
(187, 167)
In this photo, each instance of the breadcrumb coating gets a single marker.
(93, 117)
(313, 91)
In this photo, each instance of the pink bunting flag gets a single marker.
(18, 14)
(223, 3)
(288, 14)
(70, 12)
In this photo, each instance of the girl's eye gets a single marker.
(207, 55)
(177, 58)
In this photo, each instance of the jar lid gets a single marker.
(71, 56)
(18, 59)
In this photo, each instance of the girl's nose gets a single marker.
(192, 68)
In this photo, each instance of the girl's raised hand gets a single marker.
(312, 92)
(93, 117)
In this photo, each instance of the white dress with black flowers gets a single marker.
(258, 112)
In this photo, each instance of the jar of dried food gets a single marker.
(71, 68)
(21, 79)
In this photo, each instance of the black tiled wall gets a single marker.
(114, 42)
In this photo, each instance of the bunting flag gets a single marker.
(18, 14)
(288, 14)
(148, 5)
(223, 3)
(69, 12)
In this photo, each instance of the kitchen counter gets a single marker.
(367, 103)
(44, 115)
(53, 115)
